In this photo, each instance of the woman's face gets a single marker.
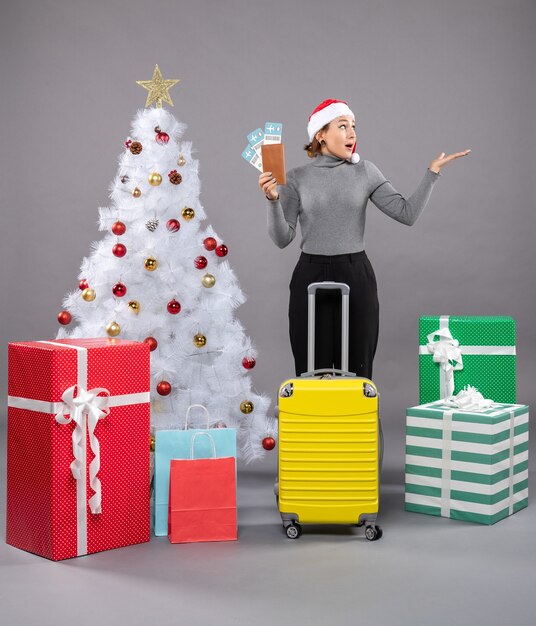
(339, 137)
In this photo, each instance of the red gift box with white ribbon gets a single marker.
(78, 454)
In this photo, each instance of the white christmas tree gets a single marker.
(158, 276)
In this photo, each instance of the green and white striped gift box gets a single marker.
(467, 465)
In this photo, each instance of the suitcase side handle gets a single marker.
(345, 292)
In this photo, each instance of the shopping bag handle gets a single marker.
(200, 434)
(201, 406)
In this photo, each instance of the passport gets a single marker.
(273, 160)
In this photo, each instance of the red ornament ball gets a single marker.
(119, 290)
(173, 225)
(222, 250)
(118, 228)
(162, 138)
(153, 344)
(249, 362)
(173, 307)
(268, 443)
(119, 250)
(83, 284)
(200, 262)
(163, 388)
(210, 243)
(64, 318)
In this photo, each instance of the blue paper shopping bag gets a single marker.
(175, 444)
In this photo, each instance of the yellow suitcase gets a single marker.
(329, 441)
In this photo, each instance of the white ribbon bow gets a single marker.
(446, 351)
(469, 399)
(93, 405)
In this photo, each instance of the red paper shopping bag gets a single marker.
(202, 498)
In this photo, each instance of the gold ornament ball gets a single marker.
(200, 340)
(152, 443)
(208, 281)
(136, 192)
(181, 161)
(155, 179)
(134, 306)
(246, 407)
(113, 329)
(188, 213)
(89, 295)
(151, 264)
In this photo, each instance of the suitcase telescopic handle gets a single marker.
(345, 292)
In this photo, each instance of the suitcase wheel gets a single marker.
(373, 533)
(293, 530)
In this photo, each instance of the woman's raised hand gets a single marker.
(268, 185)
(441, 160)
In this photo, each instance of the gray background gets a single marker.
(422, 76)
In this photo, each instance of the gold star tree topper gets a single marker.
(158, 89)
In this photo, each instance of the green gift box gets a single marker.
(455, 351)
(467, 465)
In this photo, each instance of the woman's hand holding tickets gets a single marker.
(268, 185)
(441, 160)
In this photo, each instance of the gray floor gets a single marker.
(424, 570)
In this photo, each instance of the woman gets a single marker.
(328, 197)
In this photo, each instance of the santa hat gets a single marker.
(325, 113)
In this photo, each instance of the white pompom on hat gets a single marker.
(325, 113)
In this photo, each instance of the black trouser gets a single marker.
(356, 271)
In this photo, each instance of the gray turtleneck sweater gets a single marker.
(328, 196)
